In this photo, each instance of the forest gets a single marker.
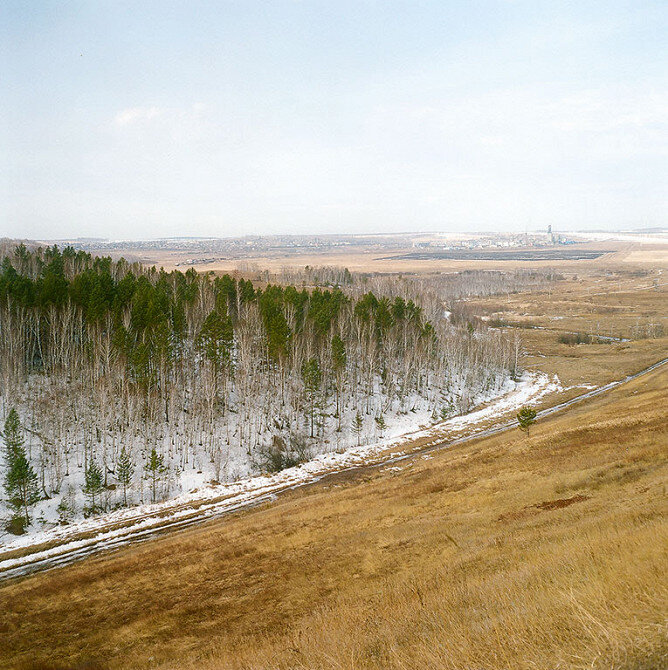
(131, 384)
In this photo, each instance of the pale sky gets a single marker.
(147, 119)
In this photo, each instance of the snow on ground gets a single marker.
(228, 452)
(214, 500)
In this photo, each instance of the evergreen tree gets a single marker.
(275, 323)
(125, 469)
(382, 425)
(155, 468)
(339, 361)
(215, 339)
(93, 483)
(312, 376)
(338, 354)
(20, 479)
(358, 426)
(526, 418)
(12, 435)
(21, 485)
(53, 285)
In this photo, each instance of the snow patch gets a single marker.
(207, 501)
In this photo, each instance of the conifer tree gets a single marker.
(526, 418)
(339, 360)
(20, 479)
(155, 468)
(358, 426)
(125, 469)
(93, 483)
(12, 434)
(312, 376)
(215, 339)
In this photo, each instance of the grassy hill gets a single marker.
(510, 552)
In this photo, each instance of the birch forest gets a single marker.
(134, 384)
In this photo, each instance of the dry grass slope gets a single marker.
(547, 552)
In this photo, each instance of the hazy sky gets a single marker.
(147, 119)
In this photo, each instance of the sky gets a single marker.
(134, 120)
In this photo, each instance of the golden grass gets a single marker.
(591, 305)
(547, 552)
(361, 259)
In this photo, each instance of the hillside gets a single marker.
(511, 552)
(508, 551)
(133, 386)
(334, 336)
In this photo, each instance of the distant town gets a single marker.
(212, 249)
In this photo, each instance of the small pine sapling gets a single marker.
(526, 418)
(358, 426)
(155, 469)
(93, 485)
(125, 468)
(381, 423)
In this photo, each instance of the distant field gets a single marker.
(559, 254)
(588, 255)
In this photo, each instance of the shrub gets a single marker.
(575, 338)
(280, 455)
(16, 525)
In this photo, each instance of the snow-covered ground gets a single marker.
(196, 459)
(206, 501)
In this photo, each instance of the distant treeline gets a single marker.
(148, 314)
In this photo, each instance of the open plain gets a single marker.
(399, 257)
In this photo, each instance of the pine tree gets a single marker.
(526, 418)
(216, 338)
(21, 485)
(155, 468)
(358, 426)
(339, 360)
(125, 469)
(93, 483)
(312, 376)
(20, 479)
(12, 434)
(382, 425)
